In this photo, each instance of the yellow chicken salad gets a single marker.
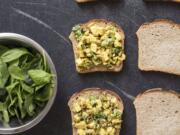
(98, 46)
(97, 115)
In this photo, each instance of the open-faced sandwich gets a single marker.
(96, 111)
(98, 46)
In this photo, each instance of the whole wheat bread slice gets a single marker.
(158, 112)
(83, 1)
(93, 91)
(101, 22)
(159, 46)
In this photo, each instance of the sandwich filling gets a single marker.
(97, 115)
(98, 46)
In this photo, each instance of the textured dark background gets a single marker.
(49, 22)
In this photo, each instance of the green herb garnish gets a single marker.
(78, 31)
(25, 83)
(116, 50)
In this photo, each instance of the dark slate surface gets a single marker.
(49, 22)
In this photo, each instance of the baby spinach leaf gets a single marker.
(29, 106)
(3, 94)
(39, 87)
(14, 63)
(2, 106)
(16, 73)
(9, 89)
(34, 62)
(20, 103)
(13, 54)
(17, 115)
(28, 80)
(23, 112)
(3, 49)
(5, 116)
(40, 77)
(27, 88)
(23, 60)
(12, 106)
(4, 74)
(40, 104)
(31, 109)
(45, 94)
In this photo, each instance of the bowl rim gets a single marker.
(31, 43)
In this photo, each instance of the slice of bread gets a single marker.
(100, 22)
(83, 1)
(93, 92)
(159, 46)
(176, 1)
(158, 112)
(165, 0)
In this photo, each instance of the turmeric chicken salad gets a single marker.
(98, 45)
(96, 115)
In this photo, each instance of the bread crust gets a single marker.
(83, 1)
(164, 0)
(176, 1)
(74, 97)
(152, 91)
(98, 68)
(145, 25)
(156, 90)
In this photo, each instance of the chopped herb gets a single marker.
(116, 50)
(78, 31)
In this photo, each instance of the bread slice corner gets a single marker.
(93, 91)
(159, 46)
(163, 0)
(158, 112)
(83, 1)
(102, 22)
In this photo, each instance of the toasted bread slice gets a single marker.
(83, 1)
(100, 22)
(159, 46)
(93, 92)
(158, 112)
